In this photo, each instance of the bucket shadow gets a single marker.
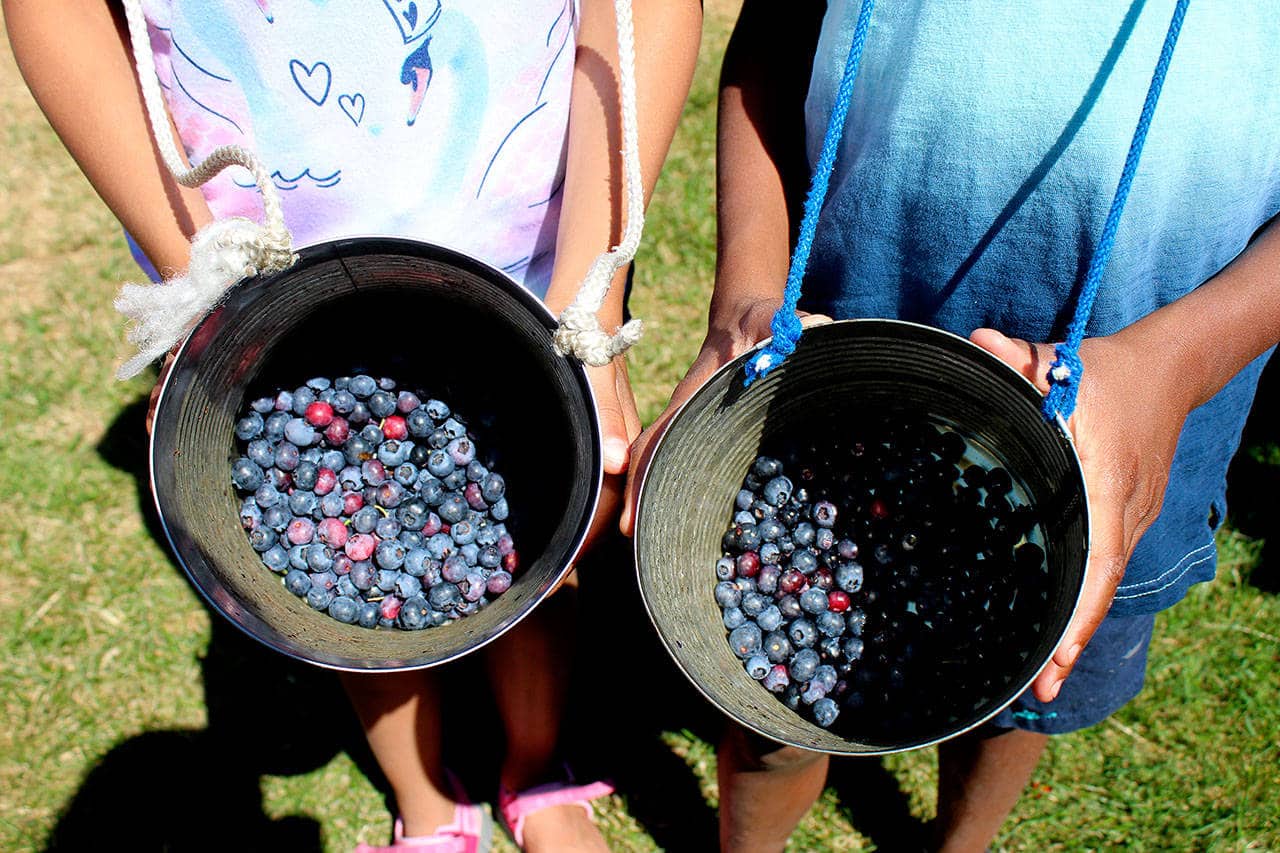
(1253, 481)
(200, 789)
(872, 800)
(626, 695)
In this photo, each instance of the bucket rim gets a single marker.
(735, 364)
(338, 249)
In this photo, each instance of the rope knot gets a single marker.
(580, 335)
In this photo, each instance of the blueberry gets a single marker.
(390, 554)
(453, 509)
(319, 557)
(824, 539)
(758, 666)
(456, 481)
(320, 599)
(415, 613)
(419, 423)
(440, 464)
(297, 582)
(381, 404)
(262, 538)
(745, 640)
(765, 468)
(770, 618)
(499, 582)
(790, 606)
(407, 586)
(804, 664)
(847, 549)
(454, 569)
(453, 428)
(365, 519)
(804, 562)
(853, 649)
(276, 558)
(733, 617)
(362, 574)
(745, 499)
(390, 494)
(727, 594)
(246, 474)
(777, 491)
(830, 623)
(848, 576)
(359, 414)
(249, 427)
(298, 557)
(802, 633)
(263, 405)
(444, 596)
(824, 514)
(298, 431)
(748, 537)
(825, 712)
(461, 451)
(344, 609)
(777, 647)
(331, 505)
(362, 386)
(804, 534)
(277, 517)
(303, 503)
(855, 622)
(394, 453)
(813, 600)
(493, 487)
(753, 604)
(499, 510)
(273, 426)
(368, 614)
(767, 579)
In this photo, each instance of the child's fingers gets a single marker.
(1031, 360)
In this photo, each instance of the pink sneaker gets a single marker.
(470, 832)
(514, 808)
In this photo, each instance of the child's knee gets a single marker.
(752, 753)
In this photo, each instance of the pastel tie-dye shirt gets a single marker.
(438, 120)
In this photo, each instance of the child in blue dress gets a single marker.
(981, 152)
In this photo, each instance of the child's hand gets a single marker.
(745, 325)
(619, 426)
(1126, 426)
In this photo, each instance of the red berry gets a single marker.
(390, 607)
(511, 561)
(351, 501)
(474, 498)
(326, 480)
(338, 431)
(838, 600)
(319, 414)
(360, 546)
(822, 578)
(394, 427)
(748, 564)
(333, 533)
(879, 510)
(791, 581)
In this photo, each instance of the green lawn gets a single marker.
(133, 719)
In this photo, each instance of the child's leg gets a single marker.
(980, 776)
(979, 782)
(529, 670)
(401, 719)
(765, 789)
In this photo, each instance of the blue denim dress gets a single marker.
(980, 157)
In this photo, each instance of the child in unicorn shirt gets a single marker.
(481, 125)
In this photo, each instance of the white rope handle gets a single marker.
(579, 333)
(222, 253)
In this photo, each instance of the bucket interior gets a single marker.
(846, 373)
(436, 322)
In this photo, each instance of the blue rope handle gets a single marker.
(786, 325)
(1067, 368)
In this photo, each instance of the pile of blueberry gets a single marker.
(871, 575)
(372, 503)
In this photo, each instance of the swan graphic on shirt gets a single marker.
(442, 120)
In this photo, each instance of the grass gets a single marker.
(130, 716)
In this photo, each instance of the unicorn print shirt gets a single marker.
(438, 120)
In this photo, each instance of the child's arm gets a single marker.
(1138, 387)
(761, 173)
(80, 71)
(591, 217)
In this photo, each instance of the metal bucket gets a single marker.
(430, 318)
(849, 369)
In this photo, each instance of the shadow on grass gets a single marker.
(1253, 481)
(200, 789)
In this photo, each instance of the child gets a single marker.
(485, 126)
(981, 152)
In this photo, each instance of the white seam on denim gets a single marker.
(1167, 571)
(1189, 567)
